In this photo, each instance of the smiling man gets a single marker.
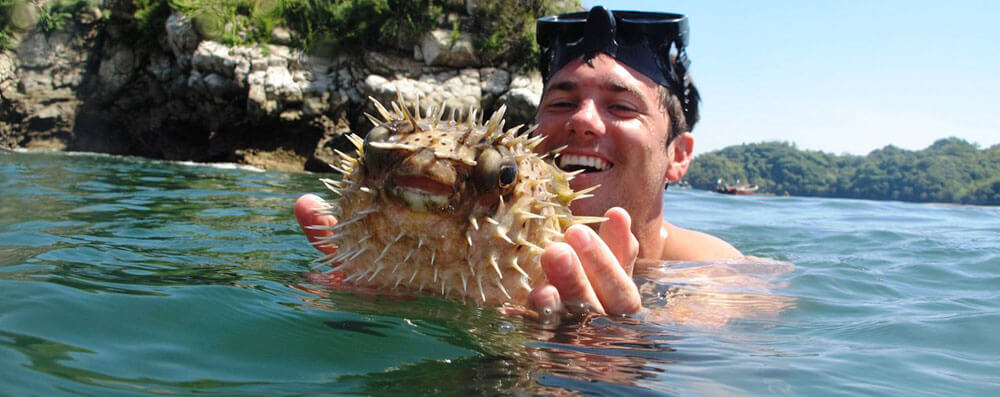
(619, 98)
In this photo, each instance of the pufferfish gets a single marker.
(450, 206)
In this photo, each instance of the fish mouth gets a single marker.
(587, 163)
(421, 193)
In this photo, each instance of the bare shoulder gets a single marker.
(691, 245)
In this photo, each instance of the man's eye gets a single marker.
(623, 108)
(561, 104)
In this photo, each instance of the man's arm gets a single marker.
(689, 245)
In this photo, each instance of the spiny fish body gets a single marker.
(451, 206)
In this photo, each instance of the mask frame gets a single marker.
(652, 43)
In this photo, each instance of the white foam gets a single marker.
(223, 166)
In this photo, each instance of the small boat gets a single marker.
(738, 188)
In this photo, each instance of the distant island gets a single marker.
(950, 170)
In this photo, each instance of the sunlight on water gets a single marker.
(124, 275)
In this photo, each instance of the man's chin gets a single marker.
(588, 179)
(591, 206)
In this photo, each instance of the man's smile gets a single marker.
(574, 162)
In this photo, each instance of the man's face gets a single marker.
(611, 120)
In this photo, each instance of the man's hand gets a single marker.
(307, 210)
(590, 271)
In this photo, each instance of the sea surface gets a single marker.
(127, 276)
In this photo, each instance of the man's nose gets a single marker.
(586, 120)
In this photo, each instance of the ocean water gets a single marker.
(126, 276)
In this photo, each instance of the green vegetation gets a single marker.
(504, 31)
(508, 29)
(55, 14)
(339, 24)
(13, 17)
(950, 170)
(16, 16)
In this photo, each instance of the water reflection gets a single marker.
(195, 273)
(595, 354)
(714, 293)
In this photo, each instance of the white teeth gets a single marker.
(585, 161)
(418, 199)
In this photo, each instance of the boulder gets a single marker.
(438, 47)
(117, 70)
(34, 51)
(181, 38)
(523, 98)
(280, 85)
(7, 67)
(213, 57)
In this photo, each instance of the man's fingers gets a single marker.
(546, 302)
(618, 293)
(617, 234)
(306, 212)
(566, 274)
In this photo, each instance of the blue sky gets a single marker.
(842, 76)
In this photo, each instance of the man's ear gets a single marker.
(679, 156)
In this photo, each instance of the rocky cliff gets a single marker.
(92, 87)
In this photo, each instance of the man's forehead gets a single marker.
(605, 72)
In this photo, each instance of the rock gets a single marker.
(221, 88)
(316, 105)
(282, 36)
(278, 56)
(89, 16)
(67, 78)
(160, 67)
(523, 98)
(60, 44)
(196, 81)
(117, 70)
(50, 112)
(181, 37)
(337, 99)
(439, 48)
(388, 65)
(258, 65)
(280, 85)
(418, 54)
(470, 6)
(256, 96)
(258, 106)
(494, 81)
(35, 84)
(213, 57)
(34, 51)
(454, 90)
(6, 67)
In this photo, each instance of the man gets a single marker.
(623, 106)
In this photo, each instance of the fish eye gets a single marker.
(508, 174)
(495, 171)
(375, 158)
(377, 134)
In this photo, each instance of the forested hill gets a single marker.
(950, 170)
